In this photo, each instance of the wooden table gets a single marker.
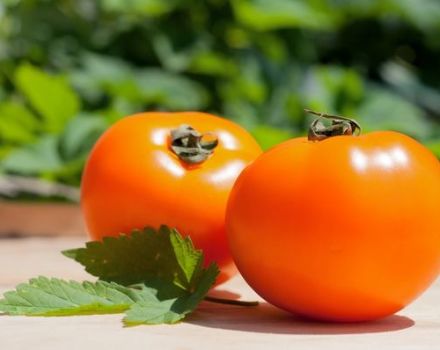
(212, 326)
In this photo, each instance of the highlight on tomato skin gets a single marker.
(338, 227)
(175, 169)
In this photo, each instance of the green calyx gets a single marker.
(191, 146)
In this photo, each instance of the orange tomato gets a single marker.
(134, 179)
(343, 229)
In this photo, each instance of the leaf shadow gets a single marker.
(266, 318)
(223, 293)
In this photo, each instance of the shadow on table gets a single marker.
(266, 318)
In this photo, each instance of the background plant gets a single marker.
(70, 68)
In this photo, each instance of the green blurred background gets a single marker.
(71, 68)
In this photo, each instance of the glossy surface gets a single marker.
(345, 229)
(132, 179)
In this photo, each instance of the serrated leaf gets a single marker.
(172, 310)
(200, 288)
(188, 258)
(152, 313)
(164, 271)
(54, 297)
(149, 256)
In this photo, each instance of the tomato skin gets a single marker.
(344, 229)
(132, 179)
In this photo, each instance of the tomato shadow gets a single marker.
(266, 318)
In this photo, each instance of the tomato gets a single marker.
(340, 228)
(133, 178)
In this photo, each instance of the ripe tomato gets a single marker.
(342, 229)
(133, 178)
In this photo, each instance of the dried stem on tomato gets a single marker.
(339, 126)
(191, 146)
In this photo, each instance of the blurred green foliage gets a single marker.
(70, 68)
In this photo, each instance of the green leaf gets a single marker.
(80, 135)
(151, 312)
(424, 14)
(119, 108)
(54, 297)
(140, 7)
(35, 158)
(170, 90)
(49, 95)
(99, 74)
(332, 88)
(152, 257)
(147, 86)
(188, 258)
(406, 83)
(17, 124)
(212, 63)
(170, 58)
(268, 136)
(434, 146)
(383, 110)
(171, 310)
(275, 14)
(157, 260)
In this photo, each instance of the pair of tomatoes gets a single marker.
(334, 226)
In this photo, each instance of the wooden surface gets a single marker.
(212, 326)
(21, 219)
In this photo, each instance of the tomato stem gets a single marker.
(339, 126)
(231, 301)
(191, 146)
